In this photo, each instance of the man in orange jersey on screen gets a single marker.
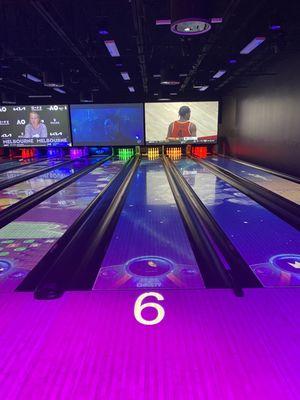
(182, 128)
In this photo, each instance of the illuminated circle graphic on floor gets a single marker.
(287, 262)
(4, 267)
(149, 266)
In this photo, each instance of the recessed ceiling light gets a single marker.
(216, 20)
(37, 96)
(170, 82)
(169, 76)
(203, 88)
(253, 44)
(103, 32)
(163, 22)
(112, 48)
(275, 27)
(32, 78)
(190, 26)
(219, 74)
(198, 85)
(125, 76)
(59, 90)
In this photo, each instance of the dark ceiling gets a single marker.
(38, 36)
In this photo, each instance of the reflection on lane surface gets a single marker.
(268, 244)
(29, 169)
(13, 194)
(25, 241)
(283, 187)
(149, 247)
(5, 165)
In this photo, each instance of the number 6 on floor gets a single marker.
(139, 307)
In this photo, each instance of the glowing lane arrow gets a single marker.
(296, 264)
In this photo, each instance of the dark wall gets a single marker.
(261, 123)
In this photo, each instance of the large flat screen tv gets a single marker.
(107, 124)
(34, 126)
(181, 122)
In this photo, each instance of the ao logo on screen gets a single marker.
(3, 109)
(21, 122)
(53, 108)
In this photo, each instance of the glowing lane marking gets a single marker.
(296, 264)
(139, 307)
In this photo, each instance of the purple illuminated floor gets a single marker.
(210, 345)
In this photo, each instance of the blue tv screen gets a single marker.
(107, 124)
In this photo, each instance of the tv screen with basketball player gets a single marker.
(181, 122)
(107, 124)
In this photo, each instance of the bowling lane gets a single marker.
(269, 245)
(283, 187)
(6, 176)
(149, 247)
(15, 193)
(11, 164)
(25, 241)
